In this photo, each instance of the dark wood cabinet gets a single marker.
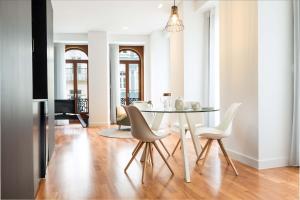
(39, 52)
(43, 75)
(36, 143)
(43, 70)
(27, 89)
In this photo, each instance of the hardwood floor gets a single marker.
(88, 166)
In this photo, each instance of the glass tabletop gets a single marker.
(173, 110)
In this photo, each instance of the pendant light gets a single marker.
(174, 23)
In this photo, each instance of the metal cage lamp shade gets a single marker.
(174, 23)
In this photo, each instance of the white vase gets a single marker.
(179, 104)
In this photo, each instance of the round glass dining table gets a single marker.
(184, 117)
(173, 110)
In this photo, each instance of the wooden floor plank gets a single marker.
(88, 166)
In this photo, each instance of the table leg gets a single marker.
(157, 121)
(184, 149)
(195, 139)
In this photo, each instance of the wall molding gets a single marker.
(258, 164)
(245, 159)
(273, 163)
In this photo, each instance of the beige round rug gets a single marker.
(116, 133)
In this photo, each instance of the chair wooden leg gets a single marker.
(145, 163)
(162, 156)
(175, 147)
(134, 155)
(174, 150)
(164, 147)
(207, 151)
(223, 151)
(151, 154)
(202, 152)
(136, 147)
(227, 157)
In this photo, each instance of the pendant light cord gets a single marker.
(174, 2)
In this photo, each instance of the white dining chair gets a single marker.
(223, 130)
(149, 117)
(141, 131)
(196, 120)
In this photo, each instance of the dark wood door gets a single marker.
(130, 72)
(78, 91)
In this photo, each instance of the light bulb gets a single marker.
(174, 18)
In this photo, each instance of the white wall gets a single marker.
(98, 78)
(256, 69)
(128, 39)
(71, 38)
(275, 81)
(201, 55)
(193, 52)
(160, 65)
(177, 61)
(239, 75)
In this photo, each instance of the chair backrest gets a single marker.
(194, 118)
(139, 127)
(226, 123)
(145, 105)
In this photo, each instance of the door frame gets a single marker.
(139, 50)
(83, 48)
(75, 70)
(127, 63)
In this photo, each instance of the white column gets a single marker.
(160, 65)
(255, 69)
(98, 78)
(114, 79)
(275, 39)
(176, 65)
(239, 76)
(59, 70)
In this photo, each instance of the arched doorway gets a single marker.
(131, 74)
(76, 70)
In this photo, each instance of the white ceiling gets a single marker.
(81, 16)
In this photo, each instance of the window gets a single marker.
(129, 55)
(75, 54)
(131, 77)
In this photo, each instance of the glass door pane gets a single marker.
(69, 77)
(134, 82)
(82, 87)
(122, 68)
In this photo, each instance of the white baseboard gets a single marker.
(258, 164)
(273, 163)
(247, 160)
(61, 122)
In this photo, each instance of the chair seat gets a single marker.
(210, 133)
(186, 126)
(161, 133)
